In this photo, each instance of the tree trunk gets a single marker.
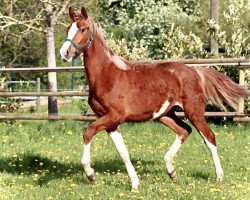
(214, 14)
(52, 101)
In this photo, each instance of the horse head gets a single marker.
(79, 35)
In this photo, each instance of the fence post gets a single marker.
(38, 99)
(241, 82)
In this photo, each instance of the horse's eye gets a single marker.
(81, 30)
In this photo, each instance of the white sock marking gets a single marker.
(86, 160)
(162, 110)
(72, 31)
(216, 159)
(122, 150)
(171, 153)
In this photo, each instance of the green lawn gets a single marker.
(41, 160)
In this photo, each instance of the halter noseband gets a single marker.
(87, 43)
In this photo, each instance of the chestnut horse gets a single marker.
(124, 91)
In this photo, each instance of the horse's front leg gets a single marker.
(122, 150)
(89, 171)
(108, 121)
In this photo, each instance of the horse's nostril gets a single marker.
(67, 53)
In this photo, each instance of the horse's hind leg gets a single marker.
(182, 130)
(198, 120)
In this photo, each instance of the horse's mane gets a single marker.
(119, 62)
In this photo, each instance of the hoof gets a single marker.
(135, 187)
(220, 176)
(219, 179)
(135, 190)
(92, 177)
(172, 174)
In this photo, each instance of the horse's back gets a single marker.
(171, 72)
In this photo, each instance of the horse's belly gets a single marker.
(144, 111)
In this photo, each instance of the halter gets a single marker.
(79, 48)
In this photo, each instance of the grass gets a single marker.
(41, 160)
(72, 108)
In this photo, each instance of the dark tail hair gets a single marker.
(219, 88)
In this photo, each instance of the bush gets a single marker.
(7, 105)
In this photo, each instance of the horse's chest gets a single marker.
(96, 105)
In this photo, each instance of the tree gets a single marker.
(214, 15)
(51, 16)
(22, 18)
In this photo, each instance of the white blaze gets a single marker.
(162, 110)
(63, 51)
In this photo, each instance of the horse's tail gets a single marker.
(219, 88)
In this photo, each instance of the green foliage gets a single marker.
(176, 44)
(83, 106)
(166, 27)
(232, 34)
(7, 105)
(121, 47)
(142, 21)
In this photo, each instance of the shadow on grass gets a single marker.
(201, 175)
(117, 165)
(29, 164)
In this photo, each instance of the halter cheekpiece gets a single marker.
(87, 43)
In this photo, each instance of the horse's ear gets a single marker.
(84, 12)
(72, 13)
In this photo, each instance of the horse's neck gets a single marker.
(97, 60)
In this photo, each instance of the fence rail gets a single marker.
(42, 94)
(42, 69)
(91, 117)
(240, 63)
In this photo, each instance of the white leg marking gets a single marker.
(170, 155)
(122, 150)
(162, 110)
(72, 31)
(86, 160)
(216, 159)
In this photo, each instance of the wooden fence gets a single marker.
(240, 63)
